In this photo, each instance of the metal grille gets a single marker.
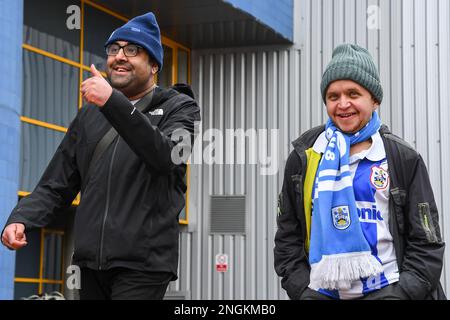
(227, 214)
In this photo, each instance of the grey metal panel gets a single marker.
(251, 180)
(238, 90)
(349, 20)
(431, 94)
(421, 72)
(317, 108)
(397, 102)
(239, 256)
(385, 61)
(373, 39)
(305, 76)
(260, 212)
(361, 21)
(408, 76)
(207, 122)
(338, 21)
(444, 116)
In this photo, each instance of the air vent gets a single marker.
(227, 214)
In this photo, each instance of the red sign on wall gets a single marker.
(221, 262)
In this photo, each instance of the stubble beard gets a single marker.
(120, 82)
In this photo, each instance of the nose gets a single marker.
(343, 102)
(121, 55)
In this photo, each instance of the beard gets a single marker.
(130, 83)
(120, 81)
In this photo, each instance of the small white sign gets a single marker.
(221, 262)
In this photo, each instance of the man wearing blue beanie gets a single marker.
(120, 154)
(364, 224)
(143, 31)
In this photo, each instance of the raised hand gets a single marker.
(96, 90)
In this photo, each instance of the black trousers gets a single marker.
(123, 284)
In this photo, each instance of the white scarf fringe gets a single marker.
(338, 271)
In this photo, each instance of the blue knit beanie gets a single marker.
(352, 62)
(144, 31)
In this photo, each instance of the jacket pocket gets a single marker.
(297, 180)
(280, 210)
(427, 222)
(399, 199)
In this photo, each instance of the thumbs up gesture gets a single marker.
(96, 90)
(95, 72)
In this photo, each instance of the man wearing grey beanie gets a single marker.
(365, 225)
(119, 153)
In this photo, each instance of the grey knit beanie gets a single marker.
(352, 62)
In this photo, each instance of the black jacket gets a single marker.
(128, 213)
(413, 220)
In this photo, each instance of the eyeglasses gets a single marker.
(129, 50)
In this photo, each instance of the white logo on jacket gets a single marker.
(156, 112)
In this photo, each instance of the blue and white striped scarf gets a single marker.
(339, 252)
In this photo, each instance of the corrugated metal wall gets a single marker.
(239, 90)
(279, 88)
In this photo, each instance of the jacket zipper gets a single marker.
(105, 214)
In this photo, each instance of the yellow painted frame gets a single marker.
(43, 124)
(41, 281)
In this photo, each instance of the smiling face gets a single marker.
(349, 105)
(131, 75)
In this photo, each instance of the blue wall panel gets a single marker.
(278, 15)
(11, 21)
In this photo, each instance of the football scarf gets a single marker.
(339, 252)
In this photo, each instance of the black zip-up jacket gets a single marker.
(128, 213)
(413, 220)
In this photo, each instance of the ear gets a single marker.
(155, 68)
(376, 104)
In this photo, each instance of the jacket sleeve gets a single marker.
(56, 189)
(424, 249)
(290, 259)
(154, 145)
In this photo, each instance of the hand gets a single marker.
(96, 90)
(14, 236)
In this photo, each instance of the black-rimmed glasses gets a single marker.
(129, 50)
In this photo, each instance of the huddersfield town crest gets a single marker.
(379, 178)
(341, 217)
